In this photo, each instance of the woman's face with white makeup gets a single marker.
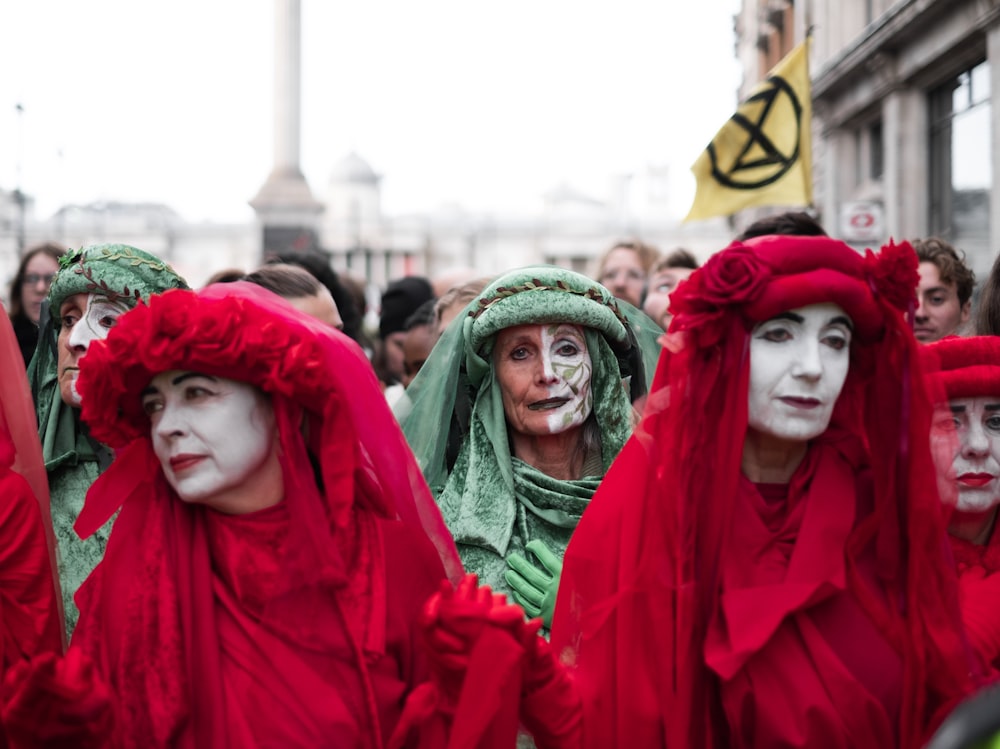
(798, 364)
(84, 318)
(215, 439)
(544, 374)
(972, 427)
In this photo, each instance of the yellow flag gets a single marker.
(762, 155)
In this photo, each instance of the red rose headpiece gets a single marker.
(765, 276)
(230, 336)
(314, 373)
(964, 367)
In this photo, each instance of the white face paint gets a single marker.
(798, 365)
(973, 428)
(215, 439)
(84, 318)
(544, 373)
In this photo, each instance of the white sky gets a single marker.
(453, 101)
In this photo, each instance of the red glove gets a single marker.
(475, 644)
(453, 621)
(979, 596)
(551, 705)
(57, 702)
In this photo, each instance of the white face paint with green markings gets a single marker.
(564, 353)
(544, 373)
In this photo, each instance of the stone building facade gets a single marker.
(905, 138)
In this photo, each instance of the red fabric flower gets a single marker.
(235, 336)
(893, 274)
(734, 276)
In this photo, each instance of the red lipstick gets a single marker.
(184, 461)
(975, 480)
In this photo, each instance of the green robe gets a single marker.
(68, 487)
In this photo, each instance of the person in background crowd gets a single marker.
(301, 289)
(28, 290)
(766, 563)
(944, 296)
(31, 620)
(93, 288)
(350, 311)
(355, 288)
(666, 274)
(273, 548)
(965, 372)
(401, 299)
(518, 413)
(448, 279)
(226, 275)
(454, 300)
(421, 335)
(988, 310)
(789, 223)
(624, 268)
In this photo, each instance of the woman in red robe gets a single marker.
(809, 606)
(30, 613)
(274, 543)
(966, 444)
(765, 564)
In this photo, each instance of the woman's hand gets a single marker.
(452, 621)
(476, 645)
(535, 589)
(57, 701)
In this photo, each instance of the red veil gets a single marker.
(647, 619)
(31, 617)
(157, 615)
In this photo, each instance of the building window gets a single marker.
(859, 150)
(876, 152)
(960, 161)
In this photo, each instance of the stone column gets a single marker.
(285, 206)
(287, 84)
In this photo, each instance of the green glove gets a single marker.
(535, 589)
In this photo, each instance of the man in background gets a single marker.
(944, 294)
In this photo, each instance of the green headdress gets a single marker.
(121, 273)
(452, 414)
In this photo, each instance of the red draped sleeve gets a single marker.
(29, 612)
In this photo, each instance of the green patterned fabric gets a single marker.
(123, 274)
(493, 503)
(68, 487)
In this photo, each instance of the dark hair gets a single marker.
(950, 264)
(401, 299)
(53, 250)
(679, 258)
(318, 264)
(794, 223)
(226, 275)
(286, 280)
(988, 309)
(422, 315)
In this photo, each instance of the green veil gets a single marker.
(73, 459)
(452, 415)
(118, 271)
